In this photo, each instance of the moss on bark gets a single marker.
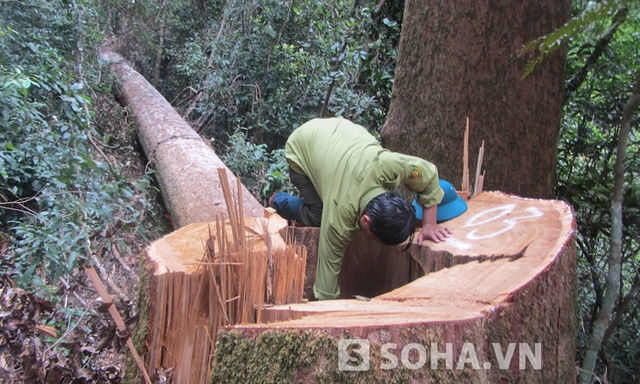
(132, 373)
(311, 356)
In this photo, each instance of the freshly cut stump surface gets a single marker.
(179, 301)
(505, 281)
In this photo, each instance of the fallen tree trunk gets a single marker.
(178, 316)
(186, 166)
(496, 304)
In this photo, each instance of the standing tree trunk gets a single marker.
(615, 250)
(160, 51)
(459, 59)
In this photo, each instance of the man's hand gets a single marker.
(433, 232)
(430, 229)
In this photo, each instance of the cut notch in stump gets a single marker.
(506, 276)
(199, 279)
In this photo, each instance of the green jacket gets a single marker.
(348, 168)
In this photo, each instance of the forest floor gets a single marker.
(75, 340)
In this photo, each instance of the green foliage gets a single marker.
(262, 171)
(594, 13)
(268, 66)
(378, 58)
(586, 156)
(270, 71)
(55, 196)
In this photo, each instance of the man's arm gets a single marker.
(423, 179)
(420, 176)
(417, 174)
(430, 229)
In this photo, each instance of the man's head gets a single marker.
(389, 218)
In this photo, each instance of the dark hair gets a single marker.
(392, 219)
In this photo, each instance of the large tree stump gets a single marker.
(187, 166)
(178, 296)
(495, 303)
(500, 294)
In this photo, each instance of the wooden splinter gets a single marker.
(106, 298)
(478, 182)
(465, 190)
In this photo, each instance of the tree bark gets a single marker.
(187, 167)
(506, 277)
(460, 59)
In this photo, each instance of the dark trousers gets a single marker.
(306, 210)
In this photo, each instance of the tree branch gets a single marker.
(218, 35)
(336, 65)
(284, 23)
(598, 50)
(630, 298)
(615, 255)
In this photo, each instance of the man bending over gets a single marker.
(346, 180)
